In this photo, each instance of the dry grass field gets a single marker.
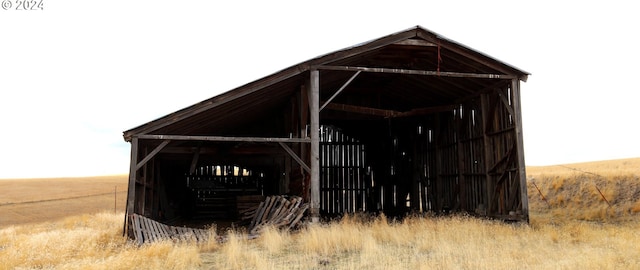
(36, 200)
(574, 227)
(605, 191)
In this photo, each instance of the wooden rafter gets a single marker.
(418, 72)
(465, 52)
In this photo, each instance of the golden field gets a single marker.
(573, 228)
(36, 200)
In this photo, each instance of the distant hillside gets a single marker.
(598, 191)
(605, 168)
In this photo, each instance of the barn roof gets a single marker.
(422, 55)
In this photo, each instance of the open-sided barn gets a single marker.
(408, 122)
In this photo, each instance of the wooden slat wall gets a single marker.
(472, 143)
(216, 187)
(502, 154)
(343, 179)
(461, 160)
(426, 167)
(224, 176)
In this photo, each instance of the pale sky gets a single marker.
(76, 74)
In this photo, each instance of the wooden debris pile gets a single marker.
(146, 230)
(247, 207)
(281, 212)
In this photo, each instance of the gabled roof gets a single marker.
(416, 49)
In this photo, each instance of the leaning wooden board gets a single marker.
(146, 230)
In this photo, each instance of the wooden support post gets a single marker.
(487, 148)
(462, 183)
(314, 101)
(132, 181)
(522, 174)
(142, 196)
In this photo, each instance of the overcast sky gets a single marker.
(76, 74)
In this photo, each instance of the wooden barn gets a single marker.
(409, 122)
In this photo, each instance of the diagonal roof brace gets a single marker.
(295, 157)
(340, 90)
(152, 154)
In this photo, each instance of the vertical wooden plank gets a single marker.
(137, 233)
(324, 171)
(287, 179)
(352, 175)
(334, 173)
(487, 148)
(132, 182)
(155, 191)
(439, 155)
(348, 174)
(143, 169)
(416, 168)
(522, 174)
(304, 147)
(342, 184)
(461, 154)
(314, 101)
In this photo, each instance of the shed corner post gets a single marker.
(522, 173)
(132, 183)
(314, 104)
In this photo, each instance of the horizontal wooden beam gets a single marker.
(416, 42)
(221, 138)
(361, 109)
(428, 110)
(390, 113)
(419, 72)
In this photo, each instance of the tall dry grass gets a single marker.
(436, 243)
(456, 242)
(88, 242)
(574, 229)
